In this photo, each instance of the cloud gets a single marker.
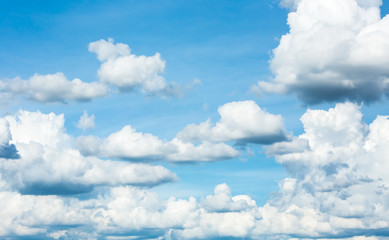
(54, 88)
(49, 164)
(7, 150)
(223, 202)
(241, 121)
(86, 121)
(338, 187)
(335, 50)
(127, 71)
(132, 145)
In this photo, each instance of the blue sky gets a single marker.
(196, 114)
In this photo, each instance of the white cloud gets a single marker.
(122, 210)
(49, 164)
(54, 88)
(337, 185)
(127, 71)
(130, 144)
(241, 121)
(86, 121)
(335, 50)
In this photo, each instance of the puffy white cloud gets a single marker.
(130, 144)
(86, 121)
(127, 71)
(335, 50)
(241, 121)
(54, 88)
(49, 164)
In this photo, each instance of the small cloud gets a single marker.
(86, 121)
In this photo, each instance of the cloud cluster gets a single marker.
(119, 69)
(243, 122)
(335, 50)
(49, 164)
(337, 187)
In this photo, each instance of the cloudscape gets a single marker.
(194, 119)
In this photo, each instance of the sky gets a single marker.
(194, 119)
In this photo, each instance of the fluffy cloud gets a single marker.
(130, 144)
(335, 50)
(338, 185)
(127, 71)
(86, 121)
(54, 88)
(222, 201)
(49, 164)
(242, 121)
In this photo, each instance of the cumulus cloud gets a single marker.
(337, 186)
(49, 164)
(54, 88)
(241, 121)
(86, 121)
(335, 50)
(132, 145)
(127, 71)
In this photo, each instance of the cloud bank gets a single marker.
(335, 50)
(337, 188)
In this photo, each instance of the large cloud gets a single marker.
(54, 88)
(338, 185)
(127, 71)
(49, 164)
(243, 122)
(335, 50)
